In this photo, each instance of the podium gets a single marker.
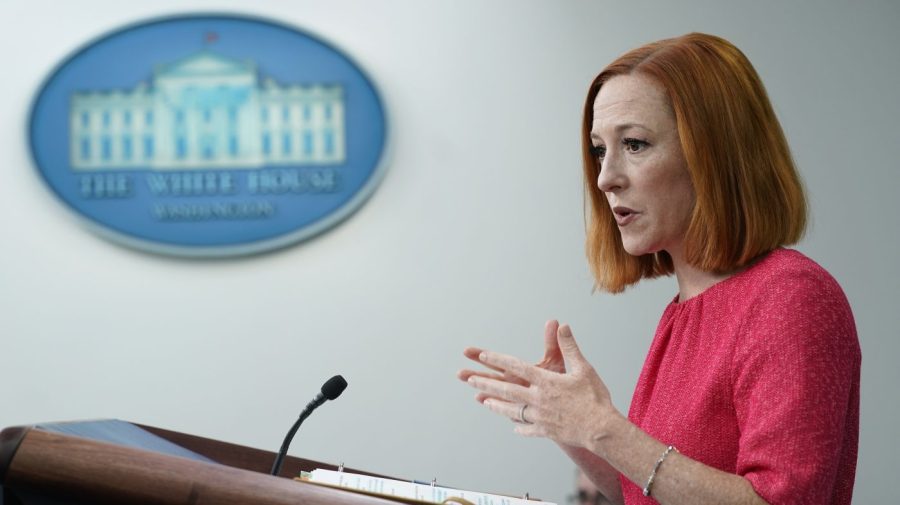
(41, 467)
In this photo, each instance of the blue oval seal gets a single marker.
(209, 135)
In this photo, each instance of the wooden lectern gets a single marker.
(38, 466)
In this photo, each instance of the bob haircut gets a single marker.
(749, 197)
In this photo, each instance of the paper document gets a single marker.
(410, 490)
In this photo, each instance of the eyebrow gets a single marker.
(622, 127)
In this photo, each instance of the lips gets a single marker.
(624, 215)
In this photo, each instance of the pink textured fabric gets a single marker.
(759, 376)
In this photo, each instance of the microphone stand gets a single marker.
(332, 388)
(276, 468)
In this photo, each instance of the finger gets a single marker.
(500, 389)
(474, 353)
(532, 414)
(551, 346)
(482, 397)
(504, 408)
(464, 375)
(530, 430)
(569, 348)
(513, 411)
(512, 365)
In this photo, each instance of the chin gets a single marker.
(639, 249)
(636, 251)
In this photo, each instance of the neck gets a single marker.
(691, 280)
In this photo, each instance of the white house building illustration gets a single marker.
(207, 111)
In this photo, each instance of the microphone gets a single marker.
(332, 388)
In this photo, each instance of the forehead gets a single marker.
(631, 100)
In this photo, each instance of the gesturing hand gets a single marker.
(564, 398)
(552, 361)
(553, 357)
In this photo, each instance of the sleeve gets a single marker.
(796, 391)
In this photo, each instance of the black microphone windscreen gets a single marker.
(334, 387)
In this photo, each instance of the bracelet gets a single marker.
(656, 467)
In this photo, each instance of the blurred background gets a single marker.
(474, 237)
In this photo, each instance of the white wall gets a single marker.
(474, 237)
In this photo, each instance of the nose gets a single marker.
(612, 177)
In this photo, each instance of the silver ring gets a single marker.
(522, 414)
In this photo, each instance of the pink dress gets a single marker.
(759, 376)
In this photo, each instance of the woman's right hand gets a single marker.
(552, 361)
(595, 467)
(553, 358)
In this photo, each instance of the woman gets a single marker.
(750, 391)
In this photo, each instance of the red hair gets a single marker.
(749, 197)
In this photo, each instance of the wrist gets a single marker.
(610, 427)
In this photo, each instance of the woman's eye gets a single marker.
(634, 145)
(599, 152)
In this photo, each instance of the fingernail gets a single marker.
(471, 381)
(482, 356)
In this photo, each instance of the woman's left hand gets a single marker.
(569, 408)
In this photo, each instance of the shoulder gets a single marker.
(791, 299)
(788, 280)
(783, 265)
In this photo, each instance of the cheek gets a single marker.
(684, 199)
(675, 195)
